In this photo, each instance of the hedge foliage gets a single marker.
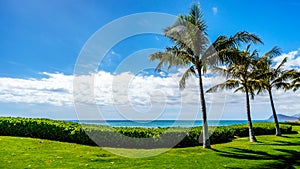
(128, 137)
(296, 123)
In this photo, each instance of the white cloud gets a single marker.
(215, 10)
(149, 96)
(125, 91)
(293, 59)
(55, 90)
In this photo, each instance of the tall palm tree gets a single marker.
(240, 73)
(273, 77)
(191, 49)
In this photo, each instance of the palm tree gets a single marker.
(240, 72)
(271, 77)
(191, 49)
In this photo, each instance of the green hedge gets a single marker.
(44, 128)
(296, 123)
(114, 137)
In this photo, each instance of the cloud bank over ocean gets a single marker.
(141, 92)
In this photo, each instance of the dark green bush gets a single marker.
(43, 128)
(296, 123)
(127, 136)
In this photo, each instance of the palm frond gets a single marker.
(228, 84)
(219, 70)
(296, 86)
(252, 94)
(270, 77)
(190, 71)
(245, 37)
(242, 89)
(275, 51)
(281, 80)
(258, 85)
(172, 56)
(266, 60)
(196, 18)
(162, 57)
(282, 85)
(188, 36)
(227, 46)
(280, 65)
(189, 31)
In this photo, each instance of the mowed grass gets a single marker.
(269, 152)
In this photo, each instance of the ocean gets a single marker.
(163, 123)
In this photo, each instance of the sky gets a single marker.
(45, 44)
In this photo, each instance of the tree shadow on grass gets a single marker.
(287, 143)
(289, 136)
(294, 132)
(286, 136)
(283, 143)
(287, 159)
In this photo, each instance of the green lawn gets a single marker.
(269, 152)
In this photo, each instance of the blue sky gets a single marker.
(41, 41)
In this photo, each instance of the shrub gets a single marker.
(107, 136)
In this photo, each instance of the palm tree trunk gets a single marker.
(251, 132)
(206, 141)
(278, 132)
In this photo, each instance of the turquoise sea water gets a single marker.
(163, 123)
